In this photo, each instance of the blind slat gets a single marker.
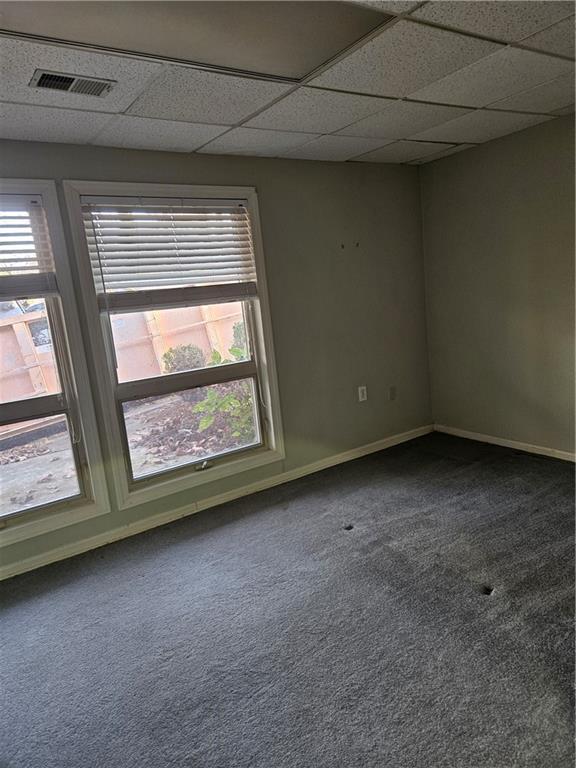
(24, 238)
(123, 268)
(141, 247)
(168, 245)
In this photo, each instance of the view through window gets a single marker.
(172, 430)
(38, 456)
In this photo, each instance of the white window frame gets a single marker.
(39, 520)
(127, 492)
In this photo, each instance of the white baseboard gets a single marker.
(115, 534)
(528, 447)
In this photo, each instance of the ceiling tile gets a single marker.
(402, 119)
(317, 111)
(504, 73)
(556, 39)
(402, 59)
(20, 58)
(32, 123)
(394, 6)
(146, 133)
(402, 152)
(252, 141)
(443, 153)
(334, 148)
(508, 20)
(482, 125)
(196, 96)
(547, 97)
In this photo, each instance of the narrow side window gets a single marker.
(42, 458)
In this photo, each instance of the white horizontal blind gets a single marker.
(150, 245)
(24, 239)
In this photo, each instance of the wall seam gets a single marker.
(427, 322)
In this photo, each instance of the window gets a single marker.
(180, 332)
(42, 456)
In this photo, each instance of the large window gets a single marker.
(43, 459)
(167, 363)
(175, 297)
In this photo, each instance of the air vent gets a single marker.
(58, 81)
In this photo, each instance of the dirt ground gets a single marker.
(162, 436)
(37, 479)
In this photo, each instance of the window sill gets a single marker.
(162, 487)
(39, 522)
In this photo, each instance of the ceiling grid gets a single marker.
(423, 80)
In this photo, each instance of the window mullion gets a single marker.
(176, 382)
(191, 296)
(14, 287)
(64, 363)
(253, 335)
(31, 408)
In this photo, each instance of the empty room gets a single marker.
(287, 384)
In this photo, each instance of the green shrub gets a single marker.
(228, 407)
(239, 336)
(223, 413)
(184, 357)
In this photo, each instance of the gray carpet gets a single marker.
(263, 634)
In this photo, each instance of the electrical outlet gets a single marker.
(362, 393)
(392, 392)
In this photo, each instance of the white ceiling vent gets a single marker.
(58, 81)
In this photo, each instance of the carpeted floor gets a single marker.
(265, 634)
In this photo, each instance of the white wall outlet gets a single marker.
(362, 393)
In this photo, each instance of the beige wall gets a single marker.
(498, 232)
(344, 265)
(346, 280)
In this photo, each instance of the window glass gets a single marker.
(170, 431)
(27, 361)
(164, 341)
(37, 464)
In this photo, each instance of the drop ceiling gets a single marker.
(285, 39)
(368, 81)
